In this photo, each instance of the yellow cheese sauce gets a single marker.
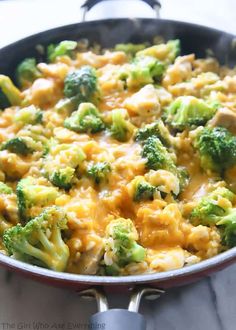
(163, 223)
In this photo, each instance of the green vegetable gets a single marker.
(144, 70)
(27, 72)
(19, 145)
(34, 137)
(157, 155)
(187, 112)
(157, 129)
(121, 128)
(63, 48)
(228, 228)
(129, 48)
(5, 189)
(207, 212)
(183, 177)
(29, 116)
(122, 243)
(79, 86)
(9, 93)
(40, 241)
(143, 190)
(62, 178)
(86, 119)
(32, 195)
(163, 52)
(210, 212)
(217, 148)
(61, 162)
(99, 171)
(82, 84)
(8, 216)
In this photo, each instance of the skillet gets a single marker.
(194, 39)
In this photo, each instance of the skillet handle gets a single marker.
(117, 319)
(89, 4)
(120, 319)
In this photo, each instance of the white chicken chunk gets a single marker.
(145, 102)
(226, 118)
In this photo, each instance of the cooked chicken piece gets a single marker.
(56, 70)
(85, 261)
(13, 165)
(180, 71)
(231, 83)
(44, 92)
(145, 102)
(89, 261)
(206, 65)
(226, 118)
(98, 61)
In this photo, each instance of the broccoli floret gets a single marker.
(148, 130)
(228, 227)
(19, 145)
(35, 137)
(143, 190)
(23, 145)
(163, 52)
(208, 211)
(99, 171)
(61, 163)
(157, 155)
(187, 112)
(29, 116)
(121, 128)
(62, 178)
(174, 48)
(217, 148)
(82, 84)
(27, 72)
(122, 245)
(9, 93)
(129, 48)
(183, 177)
(144, 70)
(40, 241)
(63, 48)
(9, 211)
(5, 189)
(112, 270)
(86, 119)
(157, 129)
(32, 195)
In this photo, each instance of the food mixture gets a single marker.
(117, 162)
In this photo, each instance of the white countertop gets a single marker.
(209, 304)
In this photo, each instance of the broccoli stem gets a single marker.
(10, 90)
